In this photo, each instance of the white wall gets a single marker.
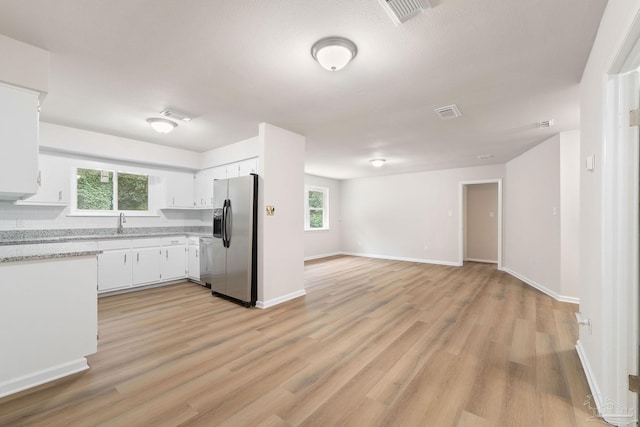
(240, 150)
(321, 243)
(409, 216)
(481, 219)
(598, 356)
(83, 142)
(570, 213)
(281, 236)
(532, 216)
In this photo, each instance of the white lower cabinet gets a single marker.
(193, 262)
(146, 266)
(128, 263)
(114, 270)
(173, 258)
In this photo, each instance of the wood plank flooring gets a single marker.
(373, 343)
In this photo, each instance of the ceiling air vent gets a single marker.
(172, 114)
(545, 124)
(448, 112)
(402, 10)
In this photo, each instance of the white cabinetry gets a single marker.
(204, 188)
(114, 265)
(180, 190)
(18, 142)
(247, 167)
(146, 261)
(173, 258)
(127, 263)
(193, 258)
(53, 183)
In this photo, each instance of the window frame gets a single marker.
(325, 208)
(75, 211)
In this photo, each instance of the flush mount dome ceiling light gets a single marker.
(334, 53)
(377, 163)
(161, 125)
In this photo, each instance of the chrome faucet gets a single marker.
(121, 222)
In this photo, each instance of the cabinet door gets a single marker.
(204, 188)
(247, 167)
(193, 262)
(114, 270)
(173, 263)
(180, 190)
(19, 137)
(146, 266)
(233, 170)
(53, 182)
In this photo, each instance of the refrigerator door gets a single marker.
(218, 253)
(240, 238)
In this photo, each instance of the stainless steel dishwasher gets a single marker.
(206, 260)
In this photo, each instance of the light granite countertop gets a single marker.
(29, 245)
(48, 256)
(29, 237)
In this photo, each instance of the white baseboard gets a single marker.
(309, 258)
(397, 258)
(541, 288)
(34, 379)
(486, 261)
(280, 300)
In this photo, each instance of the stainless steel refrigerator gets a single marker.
(235, 228)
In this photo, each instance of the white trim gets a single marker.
(312, 257)
(486, 261)
(541, 288)
(591, 377)
(34, 379)
(399, 258)
(461, 213)
(280, 300)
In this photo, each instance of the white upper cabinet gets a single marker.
(204, 188)
(53, 183)
(247, 167)
(180, 189)
(18, 142)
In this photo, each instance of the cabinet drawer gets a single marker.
(147, 243)
(106, 245)
(173, 241)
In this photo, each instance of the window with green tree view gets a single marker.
(104, 190)
(316, 207)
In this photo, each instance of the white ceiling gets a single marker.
(232, 64)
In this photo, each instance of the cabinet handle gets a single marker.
(39, 178)
(173, 201)
(125, 258)
(138, 257)
(196, 253)
(60, 195)
(167, 253)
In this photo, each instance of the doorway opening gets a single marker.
(480, 222)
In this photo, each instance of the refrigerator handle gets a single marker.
(228, 223)
(225, 219)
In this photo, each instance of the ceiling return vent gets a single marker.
(402, 10)
(448, 112)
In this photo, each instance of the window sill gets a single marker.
(316, 229)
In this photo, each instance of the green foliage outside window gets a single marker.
(133, 192)
(95, 189)
(315, 209)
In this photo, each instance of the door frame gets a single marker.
(461, 215)
(620, 227)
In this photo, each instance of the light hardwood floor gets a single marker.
(373, 343)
